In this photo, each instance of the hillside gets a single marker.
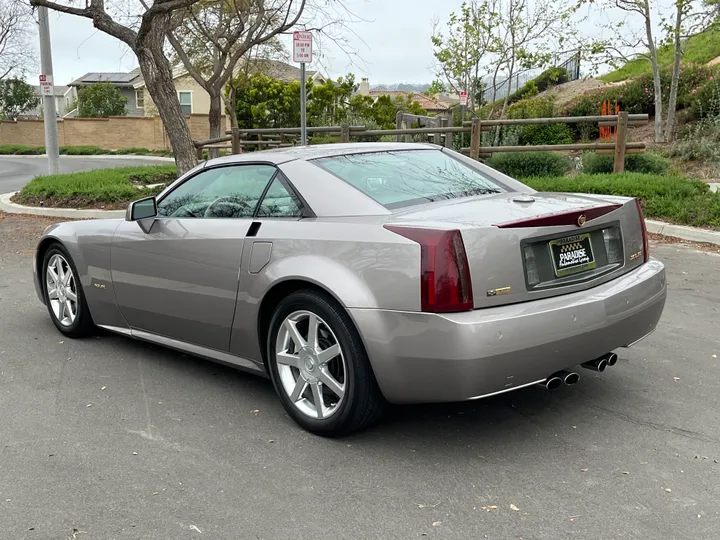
(700, 49)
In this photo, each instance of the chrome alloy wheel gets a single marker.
(61, 290)
(311, 364)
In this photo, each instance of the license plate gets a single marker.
(572, 254)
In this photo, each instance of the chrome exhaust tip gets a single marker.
(599, 364)
(611, 358)
(568, 377)
(553, 382)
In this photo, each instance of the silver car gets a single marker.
(358, 274)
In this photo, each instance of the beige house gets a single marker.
(195, 100)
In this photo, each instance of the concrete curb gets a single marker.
(691, 234)
(101, 156)
(13, 208)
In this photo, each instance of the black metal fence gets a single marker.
(569, 60)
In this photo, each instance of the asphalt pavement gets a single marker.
(107, 438)
(16, 171)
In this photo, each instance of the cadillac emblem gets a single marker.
(581, 220)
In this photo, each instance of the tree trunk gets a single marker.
(505, 101)
(672, 99)
(656, 75)
(158, 76)
(215, 119)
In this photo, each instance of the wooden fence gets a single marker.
(442, 135)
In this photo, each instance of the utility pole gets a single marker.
(48, 91)
(303, 105)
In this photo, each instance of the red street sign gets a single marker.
(302, 47)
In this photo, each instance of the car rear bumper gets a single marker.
(425, 357)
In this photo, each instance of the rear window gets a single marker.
(407, 177)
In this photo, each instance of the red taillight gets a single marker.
(444, 271)
(646, 244)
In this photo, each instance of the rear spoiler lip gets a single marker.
(577, 217)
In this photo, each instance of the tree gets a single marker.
(625, 42)
(144, 32)
(16, 97)
(15, 52)
(490, 39)
(210, 37)
(100, 100)
(689, 19)
(436, 87)
(461, 52)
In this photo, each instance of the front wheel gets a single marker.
(319, 366)
(64, 295)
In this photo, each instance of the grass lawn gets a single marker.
(700, 49)
(668, 198)
(102, 188)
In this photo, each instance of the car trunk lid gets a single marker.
(522, 247)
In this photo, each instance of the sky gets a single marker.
(392, 42)
(391, 38)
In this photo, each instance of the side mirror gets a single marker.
(142, 211)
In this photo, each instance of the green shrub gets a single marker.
(637, 95)
(83, 150)
(134, 151)
(324, 139)
(539, 133)
(21, 150)
(642, 163)
(672, 198)
(705, 100)
(529, 164)
(550, 77)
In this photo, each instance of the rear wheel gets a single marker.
(64, 295)
(319, 366)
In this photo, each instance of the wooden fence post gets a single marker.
(235, 140)
(437, 137)
(199, 153)
(475, 137)
(345, 133)
(398, 125)
(620, 140)
(447, 122)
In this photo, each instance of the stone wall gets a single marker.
(111, 133)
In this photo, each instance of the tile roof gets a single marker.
(429, 104)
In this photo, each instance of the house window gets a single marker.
(140, 99)
(185, 102)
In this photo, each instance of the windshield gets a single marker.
(407, 177)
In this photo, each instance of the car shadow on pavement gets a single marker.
(500, 420)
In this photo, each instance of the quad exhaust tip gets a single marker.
(554, 381)
(599, 364)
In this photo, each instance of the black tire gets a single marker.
(83, 325)
(362, 403)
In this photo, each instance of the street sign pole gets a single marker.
(46, 85)
(463, 105)
(303, 106)
(302, 54)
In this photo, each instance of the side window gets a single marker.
(279, 201)
(223, 192)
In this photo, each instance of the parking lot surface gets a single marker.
(107, 438)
